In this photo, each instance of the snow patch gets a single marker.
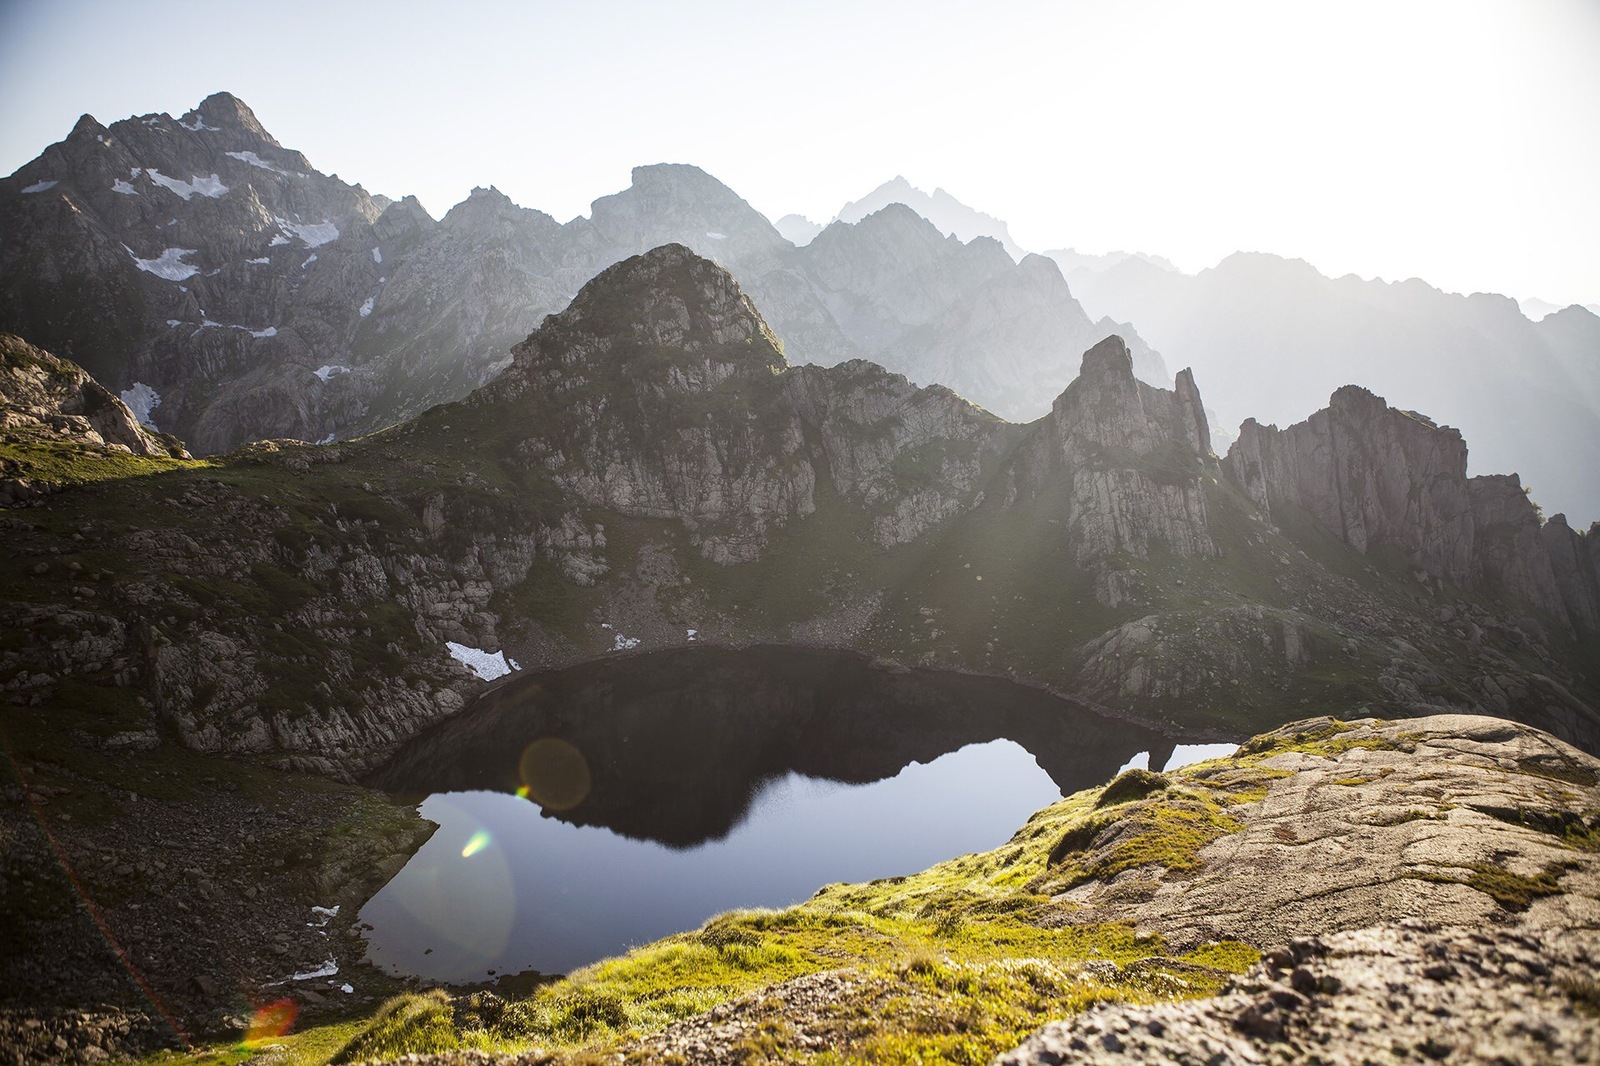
(124, 188)
(142, 400)
(366, 308)
(623, 643)
(486, 666)
(277, 240)
(210, 187)
(692, 634)
(312, 258)
(347, 988)
(377, 255)
(254, 160)
(326, 372)
(262, 261)
(169, 264)
(270, 331)
(329, 439)
(716, 236)
(327, 914)
(327, 969)
(314, 234)
(41, 186)
(200, 124)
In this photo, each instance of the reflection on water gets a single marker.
(585, 811)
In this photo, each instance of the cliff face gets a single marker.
(650, 472)
(1380, 477)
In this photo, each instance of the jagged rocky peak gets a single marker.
(1108, 406)
(680, 202)
(1379, 476)
(226, 112)
(488, 213)
(403, 217)
(1126, 459)
(666, 298)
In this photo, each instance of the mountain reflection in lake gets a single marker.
(673, 786)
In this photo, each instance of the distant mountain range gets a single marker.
(1270, 337)
(235, 293)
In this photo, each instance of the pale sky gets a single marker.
(1453, 140)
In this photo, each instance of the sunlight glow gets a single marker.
(476, 843)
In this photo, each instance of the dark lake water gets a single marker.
(589, 810)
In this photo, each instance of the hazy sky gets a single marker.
(1458, 141)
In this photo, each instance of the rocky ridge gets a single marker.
(650, 465)
(1271, 337)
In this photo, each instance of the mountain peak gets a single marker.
(225, 111)
(668, 297)
(1109, 358)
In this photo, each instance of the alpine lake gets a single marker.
(586, 811)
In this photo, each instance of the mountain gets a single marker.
(649, 472)
(650, 464)
(1075, 264)
(797, 229)
(951, 216)
(1273, 336)
(1537, 309)
(234, 293)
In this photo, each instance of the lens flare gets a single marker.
(475, 843)
(271, 1021)
(555, 774)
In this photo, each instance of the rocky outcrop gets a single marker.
(1131, 457)
(1271, 338)
(1575, 561)
(1381, 477)
(1480, 996)
(43, 394)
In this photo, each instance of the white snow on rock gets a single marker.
(486, 666)
(326, 372)
(254, 160)
(623, 643)
(327, 969)
(41, 186)
(277, 240)
(314, 234)
(692, 634)
(347, 988)
(262, 261)
(118, 185)
(200, 124)
(327, 914)
(377, 255)
(142, 400)
(716, 236)
(169, 264)
(270, 331)
(312, 258)
(206, 186)
(366, 308)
